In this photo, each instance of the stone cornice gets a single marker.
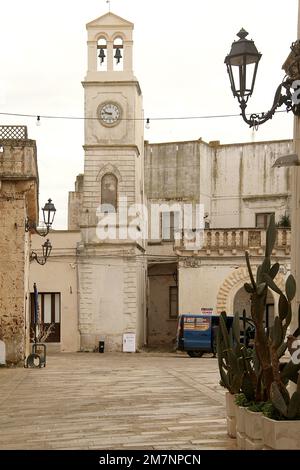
(111, 83)
(252, 197)
(112, 147)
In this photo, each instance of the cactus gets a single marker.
(234, 362)
(261, 376)
(229, 365)
(288, 408)
(271, 346)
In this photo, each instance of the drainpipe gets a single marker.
(295, 229)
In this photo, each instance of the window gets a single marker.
(173, 296)
(169, 225)
(109, 191)
(262, 220)
(48, 313)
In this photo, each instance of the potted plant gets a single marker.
(281, 423)
(236, 372)
(274, 375)
(264, 377)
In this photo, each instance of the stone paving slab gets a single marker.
(114, 401)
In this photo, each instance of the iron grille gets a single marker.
(13, 132)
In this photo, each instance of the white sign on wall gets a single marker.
(2, 353)
(129, 342)
(207, 311)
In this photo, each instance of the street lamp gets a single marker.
(242, 63)
(49, 211)
(47, 247)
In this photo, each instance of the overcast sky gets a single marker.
(179, 50)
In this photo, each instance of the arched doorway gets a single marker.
(242, 302)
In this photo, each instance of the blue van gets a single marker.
(197, 334)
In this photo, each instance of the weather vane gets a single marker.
(108, 1)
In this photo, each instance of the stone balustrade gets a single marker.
(233, 239)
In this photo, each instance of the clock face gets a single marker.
(110, 113)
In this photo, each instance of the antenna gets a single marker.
(108, 1)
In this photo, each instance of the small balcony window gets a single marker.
(262, 220)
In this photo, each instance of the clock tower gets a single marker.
(111, 261)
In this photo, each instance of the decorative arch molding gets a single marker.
(118, 35)
(109, 168)
(234, 282)
(102, 35)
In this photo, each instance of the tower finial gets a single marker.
(108, 1)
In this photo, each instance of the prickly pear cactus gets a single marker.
(288, 408)
(233, 359)
(229, 364)
(271, 346)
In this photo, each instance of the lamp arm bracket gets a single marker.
(256, 120)
(31, 227)
(34, 257)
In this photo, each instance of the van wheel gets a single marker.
(214, 347)
(195, 353)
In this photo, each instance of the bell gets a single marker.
(118, 55)
(101, 55)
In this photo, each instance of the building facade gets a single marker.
(18, 203)
(127, 264)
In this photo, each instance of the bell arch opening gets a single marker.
(102, 55)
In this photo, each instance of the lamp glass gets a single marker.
(242, 63)
(47, 247)
(49, 213)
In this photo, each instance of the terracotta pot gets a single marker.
(230, 414)
(253, 430)
(281, 435)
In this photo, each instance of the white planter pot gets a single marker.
(230, 414)
(240, 427)
(2, 353)
(281, 435)
(253, 430)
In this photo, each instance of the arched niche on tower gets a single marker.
(109, 193)
(109, 179)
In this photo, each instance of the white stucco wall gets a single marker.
(59, 275)
(198, 287)
(244, 183)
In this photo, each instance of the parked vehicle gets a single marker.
(197, 334)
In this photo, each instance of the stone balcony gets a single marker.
(233, 241)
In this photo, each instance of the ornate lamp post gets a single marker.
(48, 216)
(242, 63)
(47, 247)
(49, 211)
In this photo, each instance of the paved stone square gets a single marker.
(114, 401)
